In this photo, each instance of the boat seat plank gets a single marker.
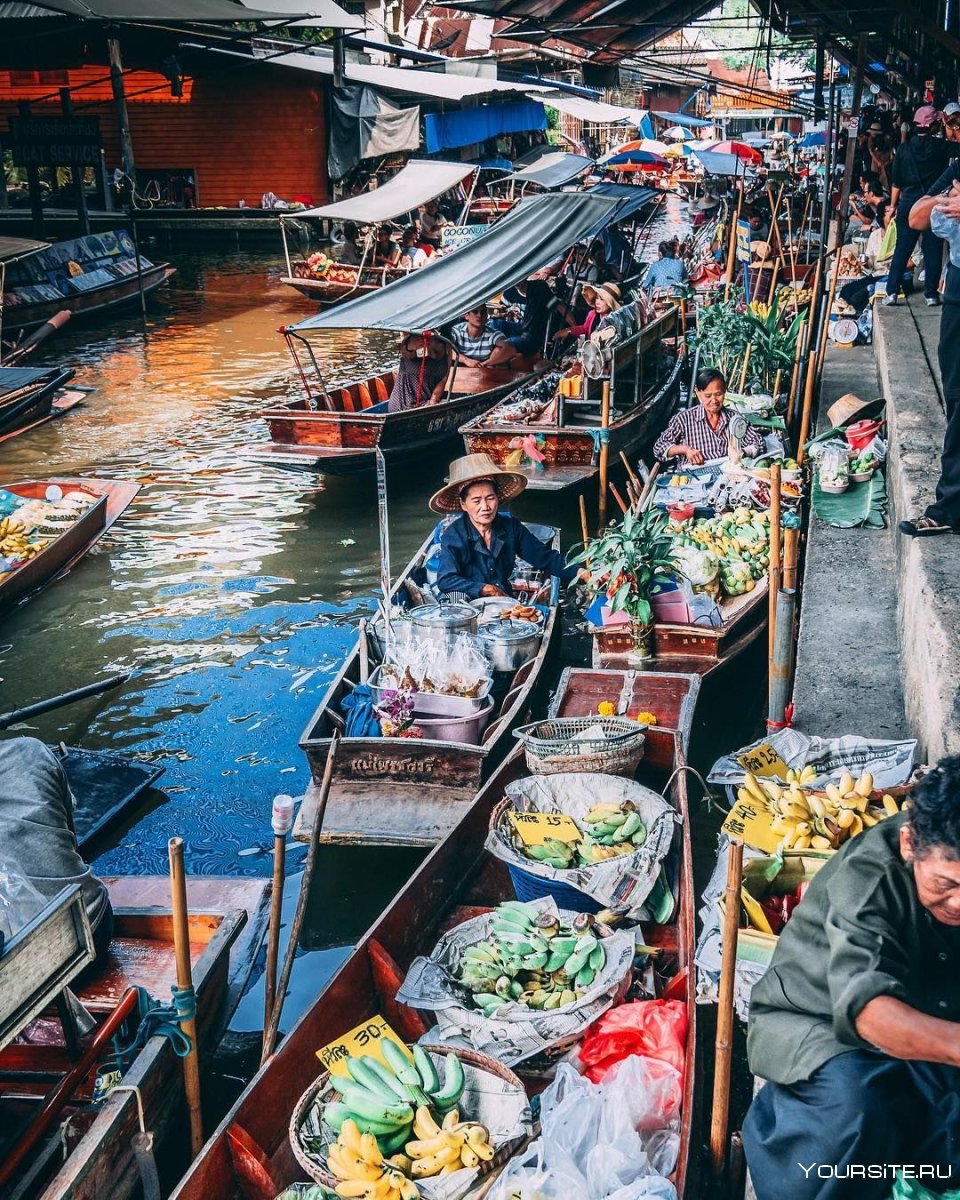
(366, 812)
(381, 387)
(364, 399)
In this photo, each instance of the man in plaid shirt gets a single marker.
(702, 433)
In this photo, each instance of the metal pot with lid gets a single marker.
(440, 622)
(509, 644)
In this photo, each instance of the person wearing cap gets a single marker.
(604, 299)
(479, 550)
(951, 121)
(918, 163)
(943, 515)
(668, 273)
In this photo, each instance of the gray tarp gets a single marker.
(553, 170)
(366, 124)
(13, 248)
(717, 162)
(420, 180)
(630, 199)
(194, 11)
(534, 234)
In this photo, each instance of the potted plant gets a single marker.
(625, 562)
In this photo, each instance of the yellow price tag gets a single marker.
(758, 918)
(364, 1039)
(534, 828)
(750, 822)
(764, 761)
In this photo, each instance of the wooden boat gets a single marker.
(27, 394)
(61, 403)
(407, 792)
(91, 303)
(339, 281)
(108, 499)
(227, 923)
(339, 432)
(702, 649)
(249, 1155)
(644, 385)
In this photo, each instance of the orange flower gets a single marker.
(645, 718)
(607, 708)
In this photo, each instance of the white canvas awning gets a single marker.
(419, 181)
(585, 109)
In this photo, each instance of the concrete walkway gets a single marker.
(879, 647)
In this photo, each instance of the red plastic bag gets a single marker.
(648, 1028)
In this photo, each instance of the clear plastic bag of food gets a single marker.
(19, 900)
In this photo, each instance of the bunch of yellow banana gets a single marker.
(818, 820)
(357, 1161)
(443, 1149)
(10, 525)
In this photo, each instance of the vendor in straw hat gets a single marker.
(604, 299)
(479, 550)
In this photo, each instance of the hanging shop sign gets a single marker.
(54, 141)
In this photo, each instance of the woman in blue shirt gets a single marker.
(479, 550)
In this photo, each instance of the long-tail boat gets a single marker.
(86, 1151)
(411, 792)
(339, 430)
(643, 376)
(250, 1156)
(105, 500)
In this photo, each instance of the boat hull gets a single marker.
(112, 497)
(88, 304)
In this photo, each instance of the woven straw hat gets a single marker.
(606, 291)
(471, 469)
(850, 407)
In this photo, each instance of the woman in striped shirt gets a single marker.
(702, 433)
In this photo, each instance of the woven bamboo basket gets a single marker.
(317, 1168)
(552, 747)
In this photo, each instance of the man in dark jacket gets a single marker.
(920, 161)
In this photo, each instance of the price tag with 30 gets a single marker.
(751, 822)
(364, 1039)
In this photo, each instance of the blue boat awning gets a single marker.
(715, 162)
(537, 232)
(679, 118)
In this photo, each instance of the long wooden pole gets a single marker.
(719, 1118)
(809, 386)
(791, 554)
(775, 565)
(743, 369)
(584, 527)
(271, 1027)
(631, 473)
(795, 375)
(281, 821)
(648, 487)
(621, 503)
(604, 453)
(181, 950)
(733, 242)
(825, 328)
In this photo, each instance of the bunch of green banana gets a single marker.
(383, 1100)
(555, 853)
(611, 830)
(532, 959)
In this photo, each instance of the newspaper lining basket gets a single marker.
(553, 747)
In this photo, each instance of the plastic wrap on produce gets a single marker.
(710, 943)
(514, 1032)
(623, 882)
(494, 1102)
(890, 763)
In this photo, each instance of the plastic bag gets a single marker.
(19, 900)
(654, 1029)
(913, 1189)
(590, 1147)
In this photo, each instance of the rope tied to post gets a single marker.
(163, 1020)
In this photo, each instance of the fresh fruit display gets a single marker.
(865, 461)
(531, 958)
(740, 540)
(609, 830)
(818, 820)
(16, 544)
(383, 1099)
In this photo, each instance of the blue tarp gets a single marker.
(444, 131)
(715, 162)
(679, 118)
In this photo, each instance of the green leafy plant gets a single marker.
(625, 561)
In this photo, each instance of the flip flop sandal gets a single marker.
(925, 527)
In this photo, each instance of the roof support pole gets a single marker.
(127, 161)
(66, 103)
(819, 70)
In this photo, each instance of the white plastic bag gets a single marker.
(19, 900)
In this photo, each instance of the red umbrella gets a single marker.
(744, 152)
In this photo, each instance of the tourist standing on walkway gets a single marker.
(918, 163)
(943, 516)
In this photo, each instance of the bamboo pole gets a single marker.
(584, 527)
(795, 374)
(807, 406)
(621, 503)
(648, 487)
(281, 821)
(825, 328)
(774, 568)
(363, 651)
(631, 473)
(604, 453)
(781, 660)
(743, 369)
(773, 282)
(720, 1116)
(271, 1027)
(181, 949)
(733, 242)
(791, 555)
(776, 383)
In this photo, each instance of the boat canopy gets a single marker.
(420, 180)
(630, 199)
(12, 248)
(717, 162)
(537, 232)
(553, 170)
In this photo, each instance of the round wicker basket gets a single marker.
(317, 1169)
(553, 747)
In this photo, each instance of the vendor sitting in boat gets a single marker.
(386, 252)
(477, 344)
(37, 838)
(603, 299)
(479, 550)
(701, 433)
(856, 1023)
(421, 374)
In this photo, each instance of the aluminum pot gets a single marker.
(509, 644)
(456, 729)
(440, 622)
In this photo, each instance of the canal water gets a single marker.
(229, 589)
